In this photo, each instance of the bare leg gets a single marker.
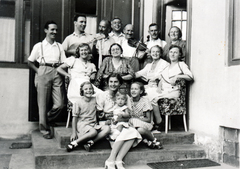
(103, 133)
(145, 133)
(157, 115)
(88, 136)
(124, 150)
(115, 150)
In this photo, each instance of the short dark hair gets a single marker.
(75, 18)
(82, 85)
(142, 88)
(153, 24)
(179, 30)
(80, 46)
(114, 45)
(179, 48)
(118, 76)
(48, 23)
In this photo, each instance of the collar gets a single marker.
(113, 34)
(79, 35)
(45, 43)
(155, 40)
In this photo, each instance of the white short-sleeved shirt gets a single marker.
(79, 69)
(158, 42)
(52, 53)
(73, 40)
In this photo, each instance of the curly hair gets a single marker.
(82, 85)
(80, 46)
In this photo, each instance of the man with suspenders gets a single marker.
(49, 54)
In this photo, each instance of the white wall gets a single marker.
(14, 89)
(148, 17)
(215, 93)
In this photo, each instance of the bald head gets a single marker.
(128, 31)
(104, 27)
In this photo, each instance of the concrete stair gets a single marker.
(51, 154)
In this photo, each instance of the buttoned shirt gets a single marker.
(117, 38)
(158, 42)
(73, 40)
(50, 53)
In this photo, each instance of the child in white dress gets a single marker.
(120, 110)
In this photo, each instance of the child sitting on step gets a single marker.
(84, 122)
(141, 115)
(120, 110)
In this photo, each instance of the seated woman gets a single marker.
(79, 70)
(175, 35)
(167, 87)
(128, 137)
(115, 64)
(150, 73)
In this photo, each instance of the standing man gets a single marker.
(72, 41)
(116, 33)
(104, 44)
(154, 40)
(130, 49)
(49, 54)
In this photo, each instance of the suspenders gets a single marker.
(42, 56)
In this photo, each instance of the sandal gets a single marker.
(88, 145)
(157, 144)
(71, 146)
(119, 164)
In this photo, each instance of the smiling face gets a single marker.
(153, 31)
(51, 32)
(155, 53)
(87, 90)
(116, 25)
(80, 24)
(128, 31)
(174, 54)
(135, 90)
(174, 33)
(113, 84)
(116, 51)
(83, 52)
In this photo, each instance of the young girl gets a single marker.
(120, 110)
(84, 122)
(79, 70)
(141, 115)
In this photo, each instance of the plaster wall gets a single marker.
(214, 95)
(14, 90)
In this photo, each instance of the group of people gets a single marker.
(115, 83)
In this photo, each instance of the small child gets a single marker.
(84, 122)
(141, 115)
(120, 110)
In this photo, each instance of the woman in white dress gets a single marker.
(129, 137)
(80, 70)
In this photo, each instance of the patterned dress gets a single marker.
(138, 112)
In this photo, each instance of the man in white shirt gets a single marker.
(130, 50)
(153, 41)
(49, 54)
(116, 34)
(71, 42)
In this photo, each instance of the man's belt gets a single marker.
(50, 64)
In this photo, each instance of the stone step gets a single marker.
(48, 154)
(63, 134)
